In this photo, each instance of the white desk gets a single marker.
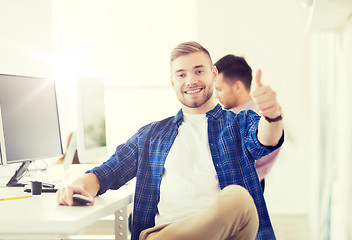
(40, 215)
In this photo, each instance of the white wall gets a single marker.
(331, 131)
(271, 36)
(347, 39)
(332, 134)
(26, 39)
(124, 42)
(341, 223)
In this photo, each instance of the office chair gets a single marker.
(262, 184)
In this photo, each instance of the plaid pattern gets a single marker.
(263, 165)
(234, 147)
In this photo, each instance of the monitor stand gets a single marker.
(14, 181)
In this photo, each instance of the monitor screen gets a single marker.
(91, 132)
(30, 127)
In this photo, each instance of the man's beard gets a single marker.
(195, 104)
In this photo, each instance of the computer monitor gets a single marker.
(91, 131)
(29, 124)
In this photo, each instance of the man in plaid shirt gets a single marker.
(195, 174)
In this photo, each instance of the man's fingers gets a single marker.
(58, 197)
(266, 105)
(61, 196)
(64, 195)
(261, 96)
(259, 91)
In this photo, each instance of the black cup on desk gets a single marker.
(36, 188)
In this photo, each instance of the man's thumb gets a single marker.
(258, 78)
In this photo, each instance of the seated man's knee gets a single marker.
(235, 194)
(234, 199)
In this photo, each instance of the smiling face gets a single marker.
(192, 78)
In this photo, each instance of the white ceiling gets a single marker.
(329, 15)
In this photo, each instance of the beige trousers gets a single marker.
(231, 216)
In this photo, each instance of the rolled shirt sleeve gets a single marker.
(250, 136)
(119, 168)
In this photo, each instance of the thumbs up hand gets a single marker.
(265, 98)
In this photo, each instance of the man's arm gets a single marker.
(269, 133)
(87, 185)
(123, 162)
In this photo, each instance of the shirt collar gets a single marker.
(247, 105)
(178, 118)
(215, 113)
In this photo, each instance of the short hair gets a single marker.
(186, 48)
(235, 68)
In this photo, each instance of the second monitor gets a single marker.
(91, 131)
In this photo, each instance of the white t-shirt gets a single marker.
(190, 181)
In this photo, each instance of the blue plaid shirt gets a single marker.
(234, 147)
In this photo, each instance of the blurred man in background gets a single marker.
(233, 89)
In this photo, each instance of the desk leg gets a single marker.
(121, 224)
